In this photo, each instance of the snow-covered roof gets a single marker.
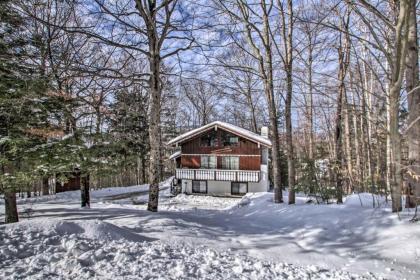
(175, 155)
(226, 126)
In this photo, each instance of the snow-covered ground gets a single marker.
(74, 195)
(201, 237)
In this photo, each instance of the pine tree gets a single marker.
(129, 129)
(21, 108)
(27, 135)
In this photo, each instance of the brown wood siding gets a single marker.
(190, 161)
(245, 146)
(72, 184)
(245, 162)
(249, 163)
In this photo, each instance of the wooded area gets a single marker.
(101, 86)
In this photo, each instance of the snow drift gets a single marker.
(95, 249)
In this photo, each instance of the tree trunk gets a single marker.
(267, 69)
(395, 149)
(356, 143)
(85, 191)
(251, 105)
(289, 140)
(45, 186)
(138, 165)
(11, 213)
(343, 61)
(275, 154)
(363, 149)
(413, 130)
(347, 144)
(274, 135)
(388, 173)
(366, 139)
(143, 169)
(367, 122)
(397, 70)
(310, 113)
(154, 131)
(289, 81)
(379, 160)
(338, 145)
(149, 12)
(265, 64)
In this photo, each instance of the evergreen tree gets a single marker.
(21, 108)
(129, 129)
(27, 133)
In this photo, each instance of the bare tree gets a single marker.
(242, 86)
(413, 126)
(394, 51)
(204, 97)
(259, 40)
(343, 63)
(287, 58)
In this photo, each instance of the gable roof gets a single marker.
(226, 126)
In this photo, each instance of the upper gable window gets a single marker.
(230, 139)
(209, 139)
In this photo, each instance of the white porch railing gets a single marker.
(219, 175)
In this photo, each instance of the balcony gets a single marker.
(218, 175)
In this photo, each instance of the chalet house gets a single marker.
(221, 159)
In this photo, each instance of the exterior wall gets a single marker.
(264, 184)
(223, 188)
(251, 157)
(73, 183)
(245, 147)
(249, 163)
(250, 152)
(192, 162)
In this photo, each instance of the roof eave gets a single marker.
(176, 142)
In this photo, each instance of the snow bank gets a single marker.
(76, 250)
(365, 200)
(91, 229)
(337, 239)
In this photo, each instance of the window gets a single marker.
(208, 162)
(231, 163)
(230, 139)
(239, 188)
(209, 139)
(199, 186)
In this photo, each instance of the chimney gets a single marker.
(264, 132)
